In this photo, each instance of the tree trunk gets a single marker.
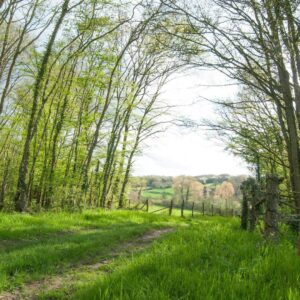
(20, 196)
(4, 184)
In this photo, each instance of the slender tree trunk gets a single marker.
(20, 196)
(4, 184)
(57, 129)
(17, 53)
(122, 162)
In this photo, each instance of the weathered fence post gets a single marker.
(212, 209)
(171, 208)
(193, 205)
(203, 209)
(272, 199)
(182, 207)
(244, 216)
(147, 205)
(255, 203)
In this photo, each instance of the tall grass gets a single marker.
(211, 259)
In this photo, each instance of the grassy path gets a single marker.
(52, 284)
(212, 259)
(35, 247)
(97, 256)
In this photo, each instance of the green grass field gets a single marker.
(32, 247)
(203, 258)
(210, 259)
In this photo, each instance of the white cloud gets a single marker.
(180, 151)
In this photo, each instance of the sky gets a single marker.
(182, 151)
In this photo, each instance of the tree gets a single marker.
(256, 44)
(197, 191)
(20, 197)
(225, 190)
(85, 102)
(187, 187)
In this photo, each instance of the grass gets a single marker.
(35, 246)
(211, 258)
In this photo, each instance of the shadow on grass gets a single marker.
(26, 227)
(54, 254)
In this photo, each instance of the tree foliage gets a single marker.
(79, 96)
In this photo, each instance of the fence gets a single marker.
(203, 209)
(260, 204)
(263, 201)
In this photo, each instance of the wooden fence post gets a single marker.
(193, 205)
(212, 209)
(182, 208)
(272, 199)
(244, 216)
(171, 208)
(147, 205)
(203, 207)
(255, 203)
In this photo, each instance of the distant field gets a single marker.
(166, 193)
(158, 209)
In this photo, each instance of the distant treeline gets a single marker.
(155, 181)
